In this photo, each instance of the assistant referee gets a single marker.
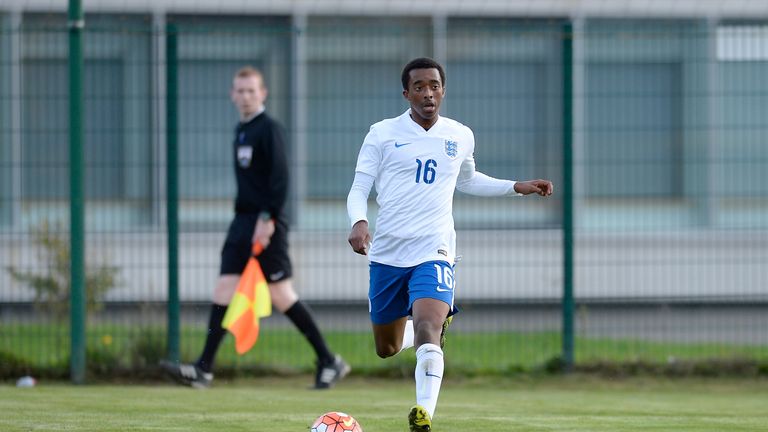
(261, 170)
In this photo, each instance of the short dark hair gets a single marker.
(249, 71)
(421, 63)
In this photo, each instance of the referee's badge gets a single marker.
(244, 156)
(451, 148)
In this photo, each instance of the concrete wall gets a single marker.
(497, 266)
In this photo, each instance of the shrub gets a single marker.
(148, 348)
(102, 360)
(12, 365)
(52, 286)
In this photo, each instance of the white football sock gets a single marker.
(407, 336)
(429, 376)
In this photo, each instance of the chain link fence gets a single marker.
(668, 172)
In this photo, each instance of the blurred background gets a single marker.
(652, 114)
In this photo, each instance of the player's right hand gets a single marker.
(263, 232)
(539, 187)
(360, 238)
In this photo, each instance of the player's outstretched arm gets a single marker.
(540, 187)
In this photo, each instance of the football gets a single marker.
(336, 422)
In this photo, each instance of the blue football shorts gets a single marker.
(393, 290)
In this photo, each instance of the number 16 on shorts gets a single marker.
(444, 276)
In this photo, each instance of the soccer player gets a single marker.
(261, 171)
(417, 160)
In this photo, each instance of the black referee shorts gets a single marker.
(274, 260)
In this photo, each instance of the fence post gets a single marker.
(172, 195)
(75, 25)
(567, 191)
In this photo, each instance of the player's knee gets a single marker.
(386, 350)
(282, 294)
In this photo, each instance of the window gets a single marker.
(6, 135)
(339, 118)
(742, 69)
(633, 146)
(117, 118)
(504, 82)
(45, 121)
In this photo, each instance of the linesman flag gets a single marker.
(250, 302)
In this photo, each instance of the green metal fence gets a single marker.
(653, 249)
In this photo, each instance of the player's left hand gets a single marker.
(540, 187)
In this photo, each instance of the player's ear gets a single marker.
(405, 94)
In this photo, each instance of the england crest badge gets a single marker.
(451, 148)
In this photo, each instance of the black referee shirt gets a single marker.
(261, 167)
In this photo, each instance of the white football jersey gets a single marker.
(415, 173)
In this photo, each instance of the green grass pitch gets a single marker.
(573, 403)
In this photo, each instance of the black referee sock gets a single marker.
(302, 319)
(215, 335)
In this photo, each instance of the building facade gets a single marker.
(669, 128)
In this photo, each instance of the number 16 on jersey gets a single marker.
(429, 166)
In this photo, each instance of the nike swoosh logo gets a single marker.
(398, 145)
(442, 289)
(275, 276)
(433, 375)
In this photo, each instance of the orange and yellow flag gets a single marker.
(250, 302)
